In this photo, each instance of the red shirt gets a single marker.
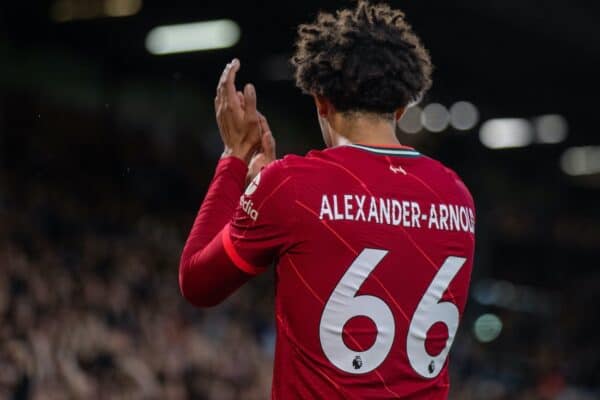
(373, 249)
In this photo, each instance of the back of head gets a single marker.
(365, 59)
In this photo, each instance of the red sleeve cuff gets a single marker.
(232, 165)
(235, 257)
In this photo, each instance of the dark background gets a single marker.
(106, 151)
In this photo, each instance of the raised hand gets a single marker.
(266, 154)
(237, 117)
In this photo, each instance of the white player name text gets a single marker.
(405, 213)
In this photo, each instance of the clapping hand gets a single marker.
(245, 131)
(237, 117)
(266, 154)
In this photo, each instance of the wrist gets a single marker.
(232, 168)
(242, 155)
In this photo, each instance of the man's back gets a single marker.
(375, 250)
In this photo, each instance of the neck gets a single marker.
(364, 130)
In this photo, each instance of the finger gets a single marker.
(264, 124)
(251, 114)
(220, 105)
(220, 97)
(219, 109)
(230, 100)
(268, 141)
(268, 146)
(227, 128)
(222, 79)
(229, 84)
(240, 96)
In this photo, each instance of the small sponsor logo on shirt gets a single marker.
(431, 367)
(246, 203)
(357, 362)
(253, 185)
(248, 207)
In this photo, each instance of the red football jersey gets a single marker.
(373, 249)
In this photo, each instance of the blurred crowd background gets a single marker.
(108, 143)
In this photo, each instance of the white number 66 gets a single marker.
(343, 305)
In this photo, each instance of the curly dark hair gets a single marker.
(365, 59)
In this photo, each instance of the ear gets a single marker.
(324, 106)
(399, 113)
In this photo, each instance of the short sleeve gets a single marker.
(261, 227)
